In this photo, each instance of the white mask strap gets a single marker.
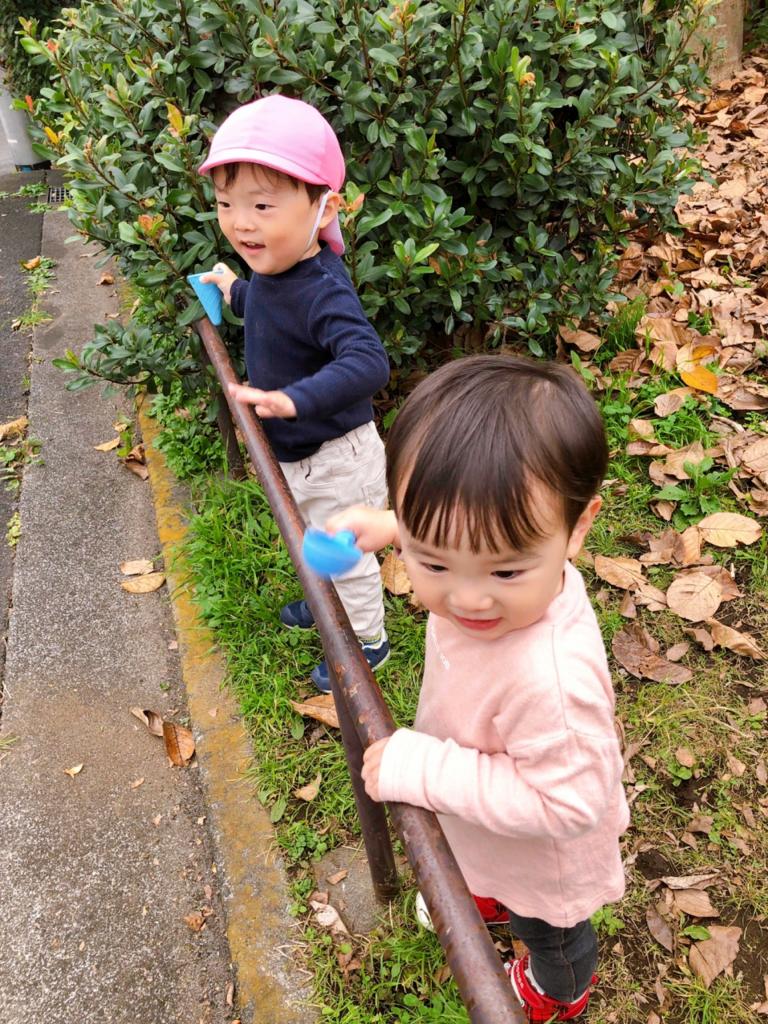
(320, 212)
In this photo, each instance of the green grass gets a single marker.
(242, 576)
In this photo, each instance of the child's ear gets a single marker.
(332, 205)
(583, 526)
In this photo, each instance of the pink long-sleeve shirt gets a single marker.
(514, 747)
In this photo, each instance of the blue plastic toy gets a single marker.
(330, 555)
(209, 295)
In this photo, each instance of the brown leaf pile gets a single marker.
(697, 592)
(716, 270)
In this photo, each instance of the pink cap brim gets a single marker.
(255, 156)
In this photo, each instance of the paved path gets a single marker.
(97, 872)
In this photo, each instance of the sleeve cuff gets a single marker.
(402, 770)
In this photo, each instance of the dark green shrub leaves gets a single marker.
(496, 151)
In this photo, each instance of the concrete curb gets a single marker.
(260, 931)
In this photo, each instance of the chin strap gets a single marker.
(316, 225)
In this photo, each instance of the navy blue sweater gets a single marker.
(306, 334)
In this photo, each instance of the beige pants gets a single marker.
(348, 470)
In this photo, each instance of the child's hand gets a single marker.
(222, 277)
(371, 767)
(373, 528)
(269, 404)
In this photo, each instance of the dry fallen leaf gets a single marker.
(635, 651)
(685, 757)
(13, 428)
(677, 651)
(138, 468)
(621, 572)
(195, 921)
(740, 643)
(659, 928)
(700, 378)
(695, 903)
(339, 876)
(179, 743)
(136, 783)
(714, 955)
(107, 446)
(106, 279)
(72, 772)
(310, 791)
(727, 529)
(671, 402)
(321, 708)
(581, 339)
(137, 567)
(144, 584)
(151, 719)
(32, 264)
(394, 575)
(700, 881)
(695, 596)
(328, 917)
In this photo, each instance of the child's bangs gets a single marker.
(494, 510)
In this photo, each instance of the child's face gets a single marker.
(266, 220)
(488, 594)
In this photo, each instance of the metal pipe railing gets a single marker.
(364, 718)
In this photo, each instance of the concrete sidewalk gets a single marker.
(98, 871)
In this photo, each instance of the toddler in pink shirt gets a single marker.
(493, 469)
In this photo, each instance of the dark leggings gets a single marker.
(563, 960)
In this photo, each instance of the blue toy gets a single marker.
(209, 295)
(330, 555)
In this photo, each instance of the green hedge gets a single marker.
(497, 152)
(22, 78)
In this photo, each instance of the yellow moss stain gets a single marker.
(257, 920)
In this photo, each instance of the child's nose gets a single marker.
(470, 599)
(242, 220)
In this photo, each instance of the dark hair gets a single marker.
(232, 170)
(476, 434)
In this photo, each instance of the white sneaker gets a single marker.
(422, 914)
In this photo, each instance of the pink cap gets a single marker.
(286, 135)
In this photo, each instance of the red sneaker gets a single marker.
(540, 1007)
(491, 911)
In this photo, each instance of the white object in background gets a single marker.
(14, 124)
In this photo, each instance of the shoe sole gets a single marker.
(304, 629)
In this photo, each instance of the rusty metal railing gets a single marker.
(364, 718)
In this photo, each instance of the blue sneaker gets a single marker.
(297, 615)
(376, 655)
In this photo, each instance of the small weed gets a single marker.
(619, 334)
(302, 844)
(34, 188)
(190, 438)
(13, 531)
(13, 458)
(702, 322)
(604, 920)
(722, 1002)
(6, 742)
(699, 496)
(39, 276)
